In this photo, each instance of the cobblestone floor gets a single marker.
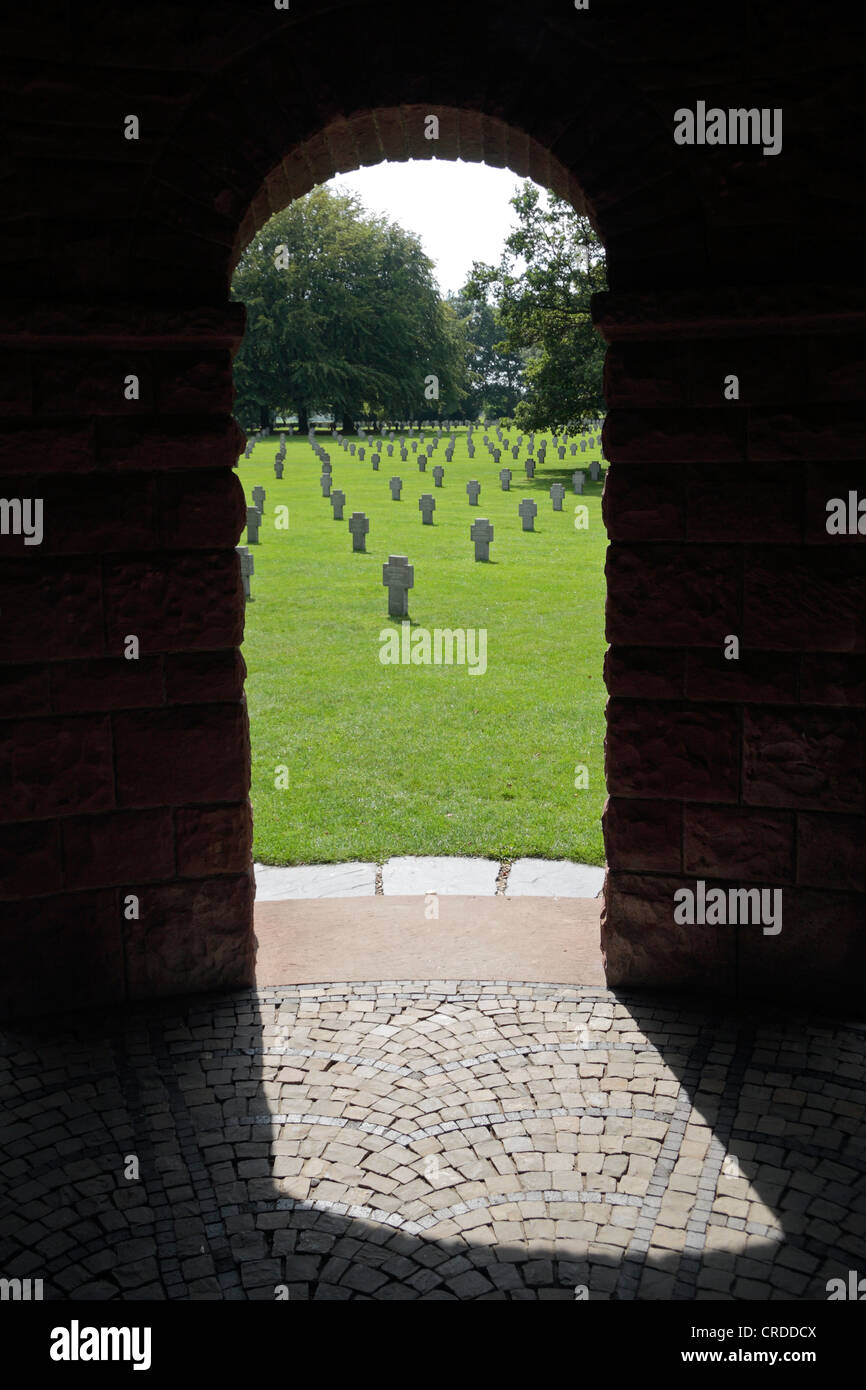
(435, 1140)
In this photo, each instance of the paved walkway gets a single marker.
(396, 938)
(433, 1140)
(466, 877)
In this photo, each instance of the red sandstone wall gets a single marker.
(117, 257)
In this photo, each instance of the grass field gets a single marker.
(424, 759)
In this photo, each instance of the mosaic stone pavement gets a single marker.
(433, 1140)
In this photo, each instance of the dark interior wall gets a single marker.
(130, 778)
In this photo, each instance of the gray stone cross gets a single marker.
(259, 499)
(438, 474)
(399, 576)
(527, 510)
(427, 506)
(338, 502)
(375, 461)
(530, 468)
(557, 492)
(254, 519)
(594, 470)
(505, 479)
(247, 568)
(395, 486)
(481, 532)
(472, 490)
(577, 479)
(359, 526)
(278, 468)
(325, 480)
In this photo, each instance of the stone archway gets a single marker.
(738, 774)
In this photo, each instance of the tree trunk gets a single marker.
(303, 420)
(348, 423)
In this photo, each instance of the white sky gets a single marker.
(460, 211)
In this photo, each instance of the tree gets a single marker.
(343, 315)
(495, 376)
(544, 309)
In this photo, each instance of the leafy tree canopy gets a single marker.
(343, 314)
(552, 264)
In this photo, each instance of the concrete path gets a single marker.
(452, 937)
(451, 875)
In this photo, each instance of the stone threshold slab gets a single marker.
(420, 874)
(552, 940)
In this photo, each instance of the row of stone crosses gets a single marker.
(481, 532)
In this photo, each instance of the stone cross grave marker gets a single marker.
(530, 468)
(572, 449)
(399, 576)
(505, 479)
(362, 454)
(253, 522)
(427, 506)
(515, 452)
(395, 485)
(472, 490)
(583, 446)
(422, 463)
(325, 480)
(527, 510)
(557, 492)
(259, 499)
(481, 532)
(561, 451)
(577, 479)
(338, 502)
(497, 455)
(359, 526)
(404, 453)
(389, 449)
(438, 474)
(247, 568)
(375, 461)
(594, 470)
(278, 468)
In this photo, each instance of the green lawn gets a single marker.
(424, 759)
